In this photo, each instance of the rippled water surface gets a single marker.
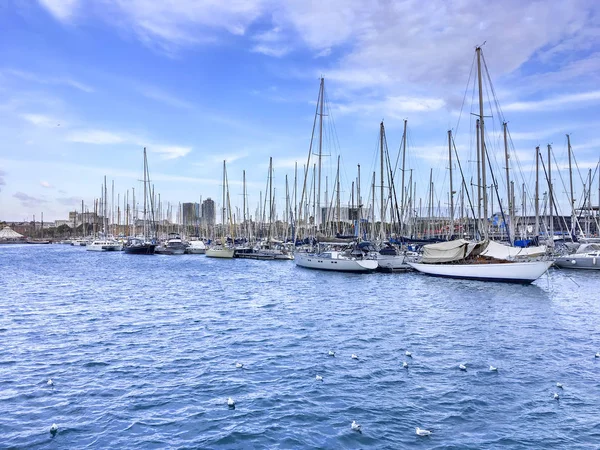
(142, 352)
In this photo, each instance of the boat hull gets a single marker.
(220, 252)
(312, 261)
(392, 263)
(578, 262)
(104, 247)
(518, 272)
(140, 249)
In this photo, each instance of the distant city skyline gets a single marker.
(86, 85)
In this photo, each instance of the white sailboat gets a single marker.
(488, 261)
(222, 250)
(335, 260)
(106, 243)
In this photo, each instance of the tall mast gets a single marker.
(358, 200)
(381, 136)
(105, 208)
(478, 174)
(295, 202)
(482, 143)
(509, 199)
(224, 204)
(571, 199)
(402, 180)
(430, 201)
(244, 204)
(451, 187)
(145, 196)
(373, 208)
(550, 195)
(537, 192)
(318, 222)
(270, 198)
(338, 194)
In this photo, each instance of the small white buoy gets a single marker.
(462, 367)
(556, 396)
(354, 356)
(239, 365)
(50, 382)
(421, 432)
(355, 426)
(230, 402)
(331, 353)
(493, 369)
(405, 365)
(409, 354)
(559, 385)
(319, 378)
(54, 429)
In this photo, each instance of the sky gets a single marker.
(86, 85)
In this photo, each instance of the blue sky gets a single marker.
(85, 85)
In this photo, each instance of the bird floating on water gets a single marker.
(354, 356)
(421, 432)
(319, 378)
(331, 353)
(50, 382)
(597, 355)
(356, 426)
(405, 365)
(556, 396)
(493, 369)
(462, 367)
(409, 354)
(559, 385)
(230, 402)
(239, 365)
(53, 429)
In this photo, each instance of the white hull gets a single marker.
(219, 252)
(517, 272)
(104, 246)
(393, 262)
(312, 261)
(579, 262)
(195, 251)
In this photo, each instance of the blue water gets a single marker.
(142, 351)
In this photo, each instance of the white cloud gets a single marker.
(170, 151)
(63, 10)
(95, 137)
(271, 50)
(390, 107)
(46, 185)
(159, 95)
(53, 80)
(41, 120)
(561, 101)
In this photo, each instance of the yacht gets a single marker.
(196, 248)
(348, 259)
(104, 245)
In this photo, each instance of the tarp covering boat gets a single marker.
(451, 251)
(500, 251)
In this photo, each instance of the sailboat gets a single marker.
(468, 260)
(135, 245)
(106, 243)
(222, 250)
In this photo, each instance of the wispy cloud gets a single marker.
(69, 201)
(561, 101)
(170, 151)
(391, 107)
(46, 185)
(229, 158)
(161, 96)
(94, 137)
(41, 120)
(28, 201)
(48, 79)
(63, 10)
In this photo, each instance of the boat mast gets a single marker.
(482, 143)
(359, 201)
(373, 208)
(244, 204)
(478, 176)
(550, 195)
(451, 230)
(338, 195)
(402, 193)
(381, 136)
(145, 195)
(318, 222)
(509, 199)
(537, 192)
(224, 205)
(571, 199)
(270, 198)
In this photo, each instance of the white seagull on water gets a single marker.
(331, 353)
(462, 367)
(354, 356)
(556, 396)
(421, 432)
(597, 355)
(319, 378)
(409, 354)
(493, 369)
(356, 426)
(50, 382)
(559, 385)
(53, 428)
(230, 402)
(405, 365)
(239, 365)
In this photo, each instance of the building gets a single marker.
(191, 214)
(208, 212)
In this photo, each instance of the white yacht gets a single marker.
(104, 245)
(196, 248)
(587, 257)
(346, 260)
(220, 251)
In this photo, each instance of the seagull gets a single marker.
(597, 355)
(354, 356)
(356, 426)
(230, 402)
(556, 396)
(53, 429)
(493, 369)
(319, 378)
(409, 354)
(462, 367)
(239, 365)
(331, 353)
(50, 382)
(405, 365)
(559, 385)
(421, 432)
